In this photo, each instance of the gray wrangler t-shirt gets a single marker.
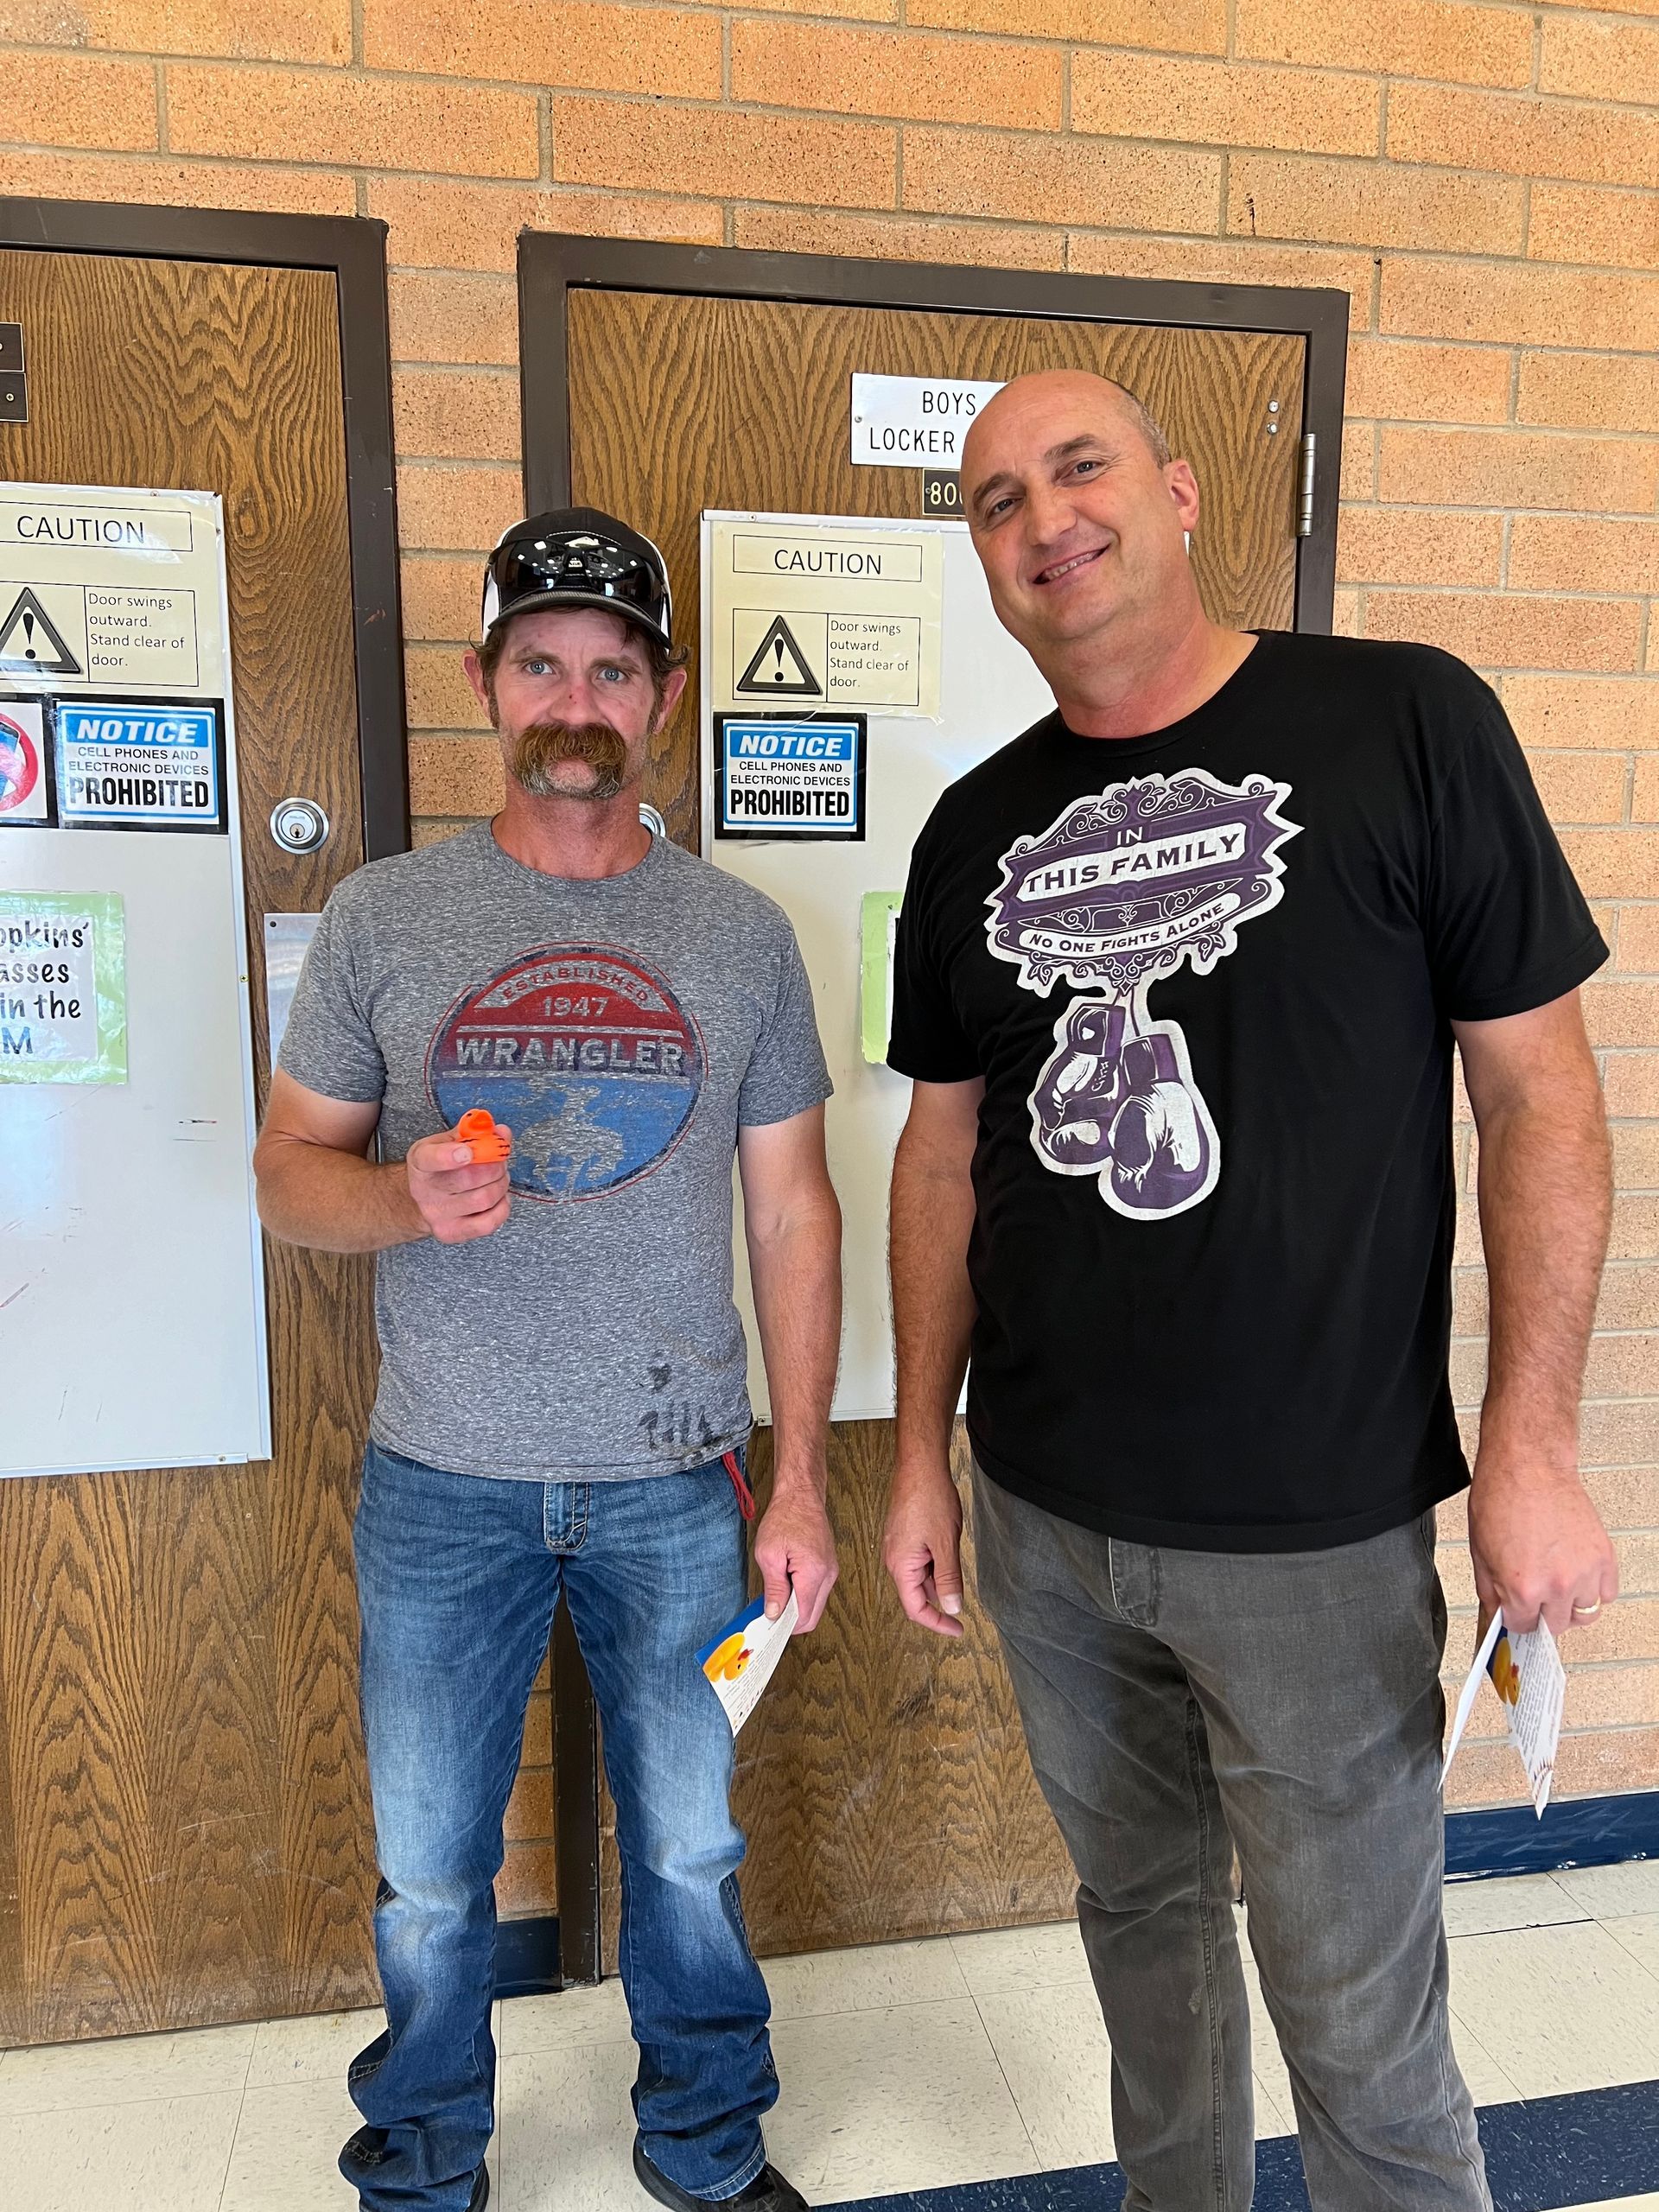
(624, 1029)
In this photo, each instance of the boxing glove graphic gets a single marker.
(1081, 1088)
(1161, 1143)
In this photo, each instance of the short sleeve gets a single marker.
(1506, 925)
(786, 1072)
(329, 1044)
(928, 1042)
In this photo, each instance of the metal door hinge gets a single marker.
(1304, 495)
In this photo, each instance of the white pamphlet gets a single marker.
(1527, 1673)
(742, 1659)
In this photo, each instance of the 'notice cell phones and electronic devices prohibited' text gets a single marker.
(133, 764)
(797, 776)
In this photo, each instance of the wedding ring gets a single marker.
(1587, 1612)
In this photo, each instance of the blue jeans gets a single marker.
(457, 1578)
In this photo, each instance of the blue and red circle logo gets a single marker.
(587, 1055)
(20, 765)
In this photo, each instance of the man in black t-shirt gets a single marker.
(1179, 975)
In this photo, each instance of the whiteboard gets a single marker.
(989, 691)
(132, 1279)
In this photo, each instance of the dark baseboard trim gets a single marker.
(1585, 2149)
(1574, 1832)
(527, 1956)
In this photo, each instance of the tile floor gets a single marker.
(913, 2066)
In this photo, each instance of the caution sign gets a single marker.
(840, 613)
(126, 764)
(799, 776)
(25, 765)
(108, 589)
(32, 644)
(777, 669)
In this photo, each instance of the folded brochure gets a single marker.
(742, 1658)
(1527, 1673)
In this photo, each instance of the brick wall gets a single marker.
(1482, 178)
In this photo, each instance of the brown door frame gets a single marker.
(552, 265)
(352, 250)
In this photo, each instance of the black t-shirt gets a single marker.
(1208, 975)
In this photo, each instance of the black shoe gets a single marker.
(767, 2192)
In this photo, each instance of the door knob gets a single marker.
(298, 825)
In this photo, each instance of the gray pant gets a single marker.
(1177, 1703)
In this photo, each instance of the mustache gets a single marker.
(538, 749)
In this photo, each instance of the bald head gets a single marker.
(1073, 386)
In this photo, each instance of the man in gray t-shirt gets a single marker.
(563, 1401)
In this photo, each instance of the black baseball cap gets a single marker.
(577, 556)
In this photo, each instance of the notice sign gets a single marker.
(62, 988)
(789, 775)
(914, 422)
(25, 764)
(821, 613)
(127, 764)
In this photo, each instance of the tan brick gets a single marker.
(1634, 1236)
(239, 30)
(897, 237)
(1631, 1084)
(530, 1808)
(670, 52)
(1469, 1302)
(1592, 223)
(1213, 261)
(1410, 381)
(1580, 786)
(1584, 553)
(1518, 468)
(69, 99)
(1418, 545)
(1347, 612)
(896, 72)
(873, 11)
(1510, 630)
(1521, 134)
(529, 1881)
(1615, 1433)
(1530, 304)
(1574, 712)
(1061, 179)
(1359, 460)
(326, 116)
(1608, 7)
(453, 509)
(1614, 1696)
(1622, 1012)
(1467, 1369)
(438, 694)
(1614, 864)
(1595, 391)
(178, 184)
(1363, 203)
(439, 316)
(1600, 60)
(1635, 1158)
(465, 226)
(455, 414)
(718, 150)
(537, 1750)
(1406, 38)
(1638, 940)
(455, 776)
(1223, 103)
(1174, 26)
(1644, 793)
(441, 597)
(1626, 1497)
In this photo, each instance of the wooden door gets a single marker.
(184, 1823)
(884, 1783)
